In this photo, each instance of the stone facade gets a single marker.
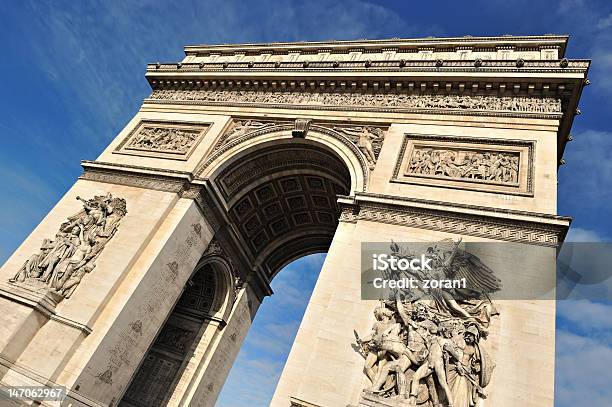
(140, 285)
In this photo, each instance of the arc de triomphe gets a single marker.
(140, 285)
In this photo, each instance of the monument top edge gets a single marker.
(553, 40)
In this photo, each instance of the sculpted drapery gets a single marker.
(61, 262)
(425, 348)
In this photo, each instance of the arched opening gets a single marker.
(263, 354)
(200, 304)
(281, 200)
(278, 200)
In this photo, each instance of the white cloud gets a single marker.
(570, 6)
(587, 315)
(583, 235)
(605, 22)
(582, 371)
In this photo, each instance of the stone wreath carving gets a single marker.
(391, 100)
(425, 349)
(61, 262)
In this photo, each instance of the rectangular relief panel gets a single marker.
(479, 164)
(160, 139)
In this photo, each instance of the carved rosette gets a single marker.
(63, 260)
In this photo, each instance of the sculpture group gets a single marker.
(480, 165)
(425, 347)
(164, 139)
(61, 262)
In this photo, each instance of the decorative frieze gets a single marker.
(488, 165)
(136, 176)
(364, 101)
(470, 225)
(163, 139)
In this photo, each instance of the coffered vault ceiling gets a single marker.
(281, 201)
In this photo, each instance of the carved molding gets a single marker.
(135, 176)
(295, 402)
(467, 59)
(481, 164)
(383, 102)
(349, 214)
(161, 139)
(511, 230)
(300, 128)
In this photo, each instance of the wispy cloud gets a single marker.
(584, 356)
(577, 234)
(605, 22)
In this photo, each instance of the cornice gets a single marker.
(493, 223)
(136, 176)
(401, 43)
(407, 67)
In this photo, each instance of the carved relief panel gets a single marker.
(488, 165)
(170, 140)
(63, 260)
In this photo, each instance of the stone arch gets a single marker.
(204, 304)
(226, 284)
(280, 192)
(224, 154)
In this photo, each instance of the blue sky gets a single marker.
(74, 75)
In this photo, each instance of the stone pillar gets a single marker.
(324, 367)
(92, 342)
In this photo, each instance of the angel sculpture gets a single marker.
(242, 127)
(365, 138)
(470, 303)
(425, 350)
